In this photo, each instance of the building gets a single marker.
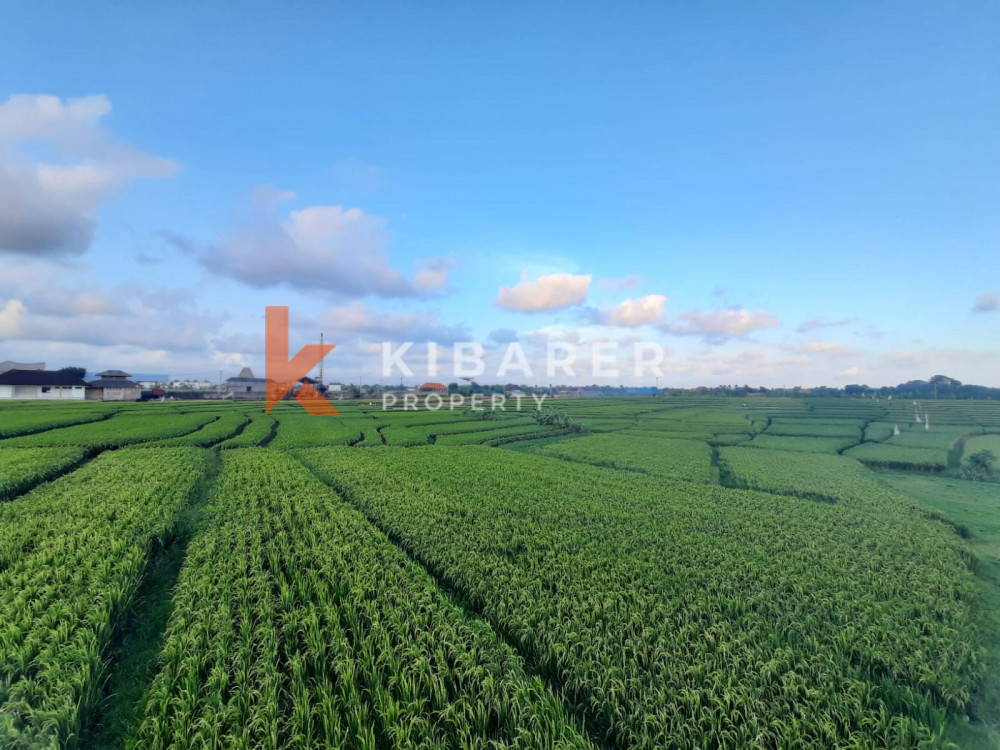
(433, 388)
(41, 385)
(147, 381)
(245, 387)
(190, 385)
(113, 385)
(9, 365)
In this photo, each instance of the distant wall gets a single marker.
(42, 393)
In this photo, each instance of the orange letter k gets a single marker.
(282, 374)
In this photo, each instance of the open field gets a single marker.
(638, 573)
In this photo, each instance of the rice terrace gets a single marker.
(690, 572)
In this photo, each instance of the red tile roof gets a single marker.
(433, 387)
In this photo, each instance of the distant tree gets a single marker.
(979, 466)
(76, 372)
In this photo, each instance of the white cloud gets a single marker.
(716, 325)
(553, 292)
(10, 317)
(331, 249)
(636, 312)
(434, 275)
(851, 372)
(49, 207)
(356, 319)
(987, 302)
(42, 303)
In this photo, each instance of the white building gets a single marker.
(191, 385)
(42, 385)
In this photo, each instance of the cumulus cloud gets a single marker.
(10, 317)
(637, 312)
(434, 274)
(851, 372)
(356, 319)
(554, 292)
(330, 249)
(143, 324)
(719, 325)
(619, 285)
(42, 303)
(987, 302)
(49, 205)
(239, 346)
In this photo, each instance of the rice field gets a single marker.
(638, 573)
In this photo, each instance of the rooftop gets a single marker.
(116, 383)
(39, 377)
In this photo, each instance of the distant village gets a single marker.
(32, 381)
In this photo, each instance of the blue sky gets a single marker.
(776, 193)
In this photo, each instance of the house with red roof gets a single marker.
(433, 388)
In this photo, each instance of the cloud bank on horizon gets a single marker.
(141, 231)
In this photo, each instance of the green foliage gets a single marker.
(23, 468)
(32, 419)
(72, 555)
(118, 431)
(556, 418)
(890, 456)
(681, 459)
(422, 434)
(296, 624)
(213, 432)
(258, 431)
(879, 431)
(983, 442)
(76, 372)
(300, 429)
(501, 435)
(979, 466)
(815, 477)
(690, 615)
(809, 428)
(604, 581)
(802, 444)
